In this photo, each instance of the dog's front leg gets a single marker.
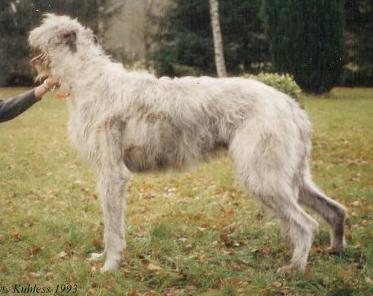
(112, 187)
(112, 179)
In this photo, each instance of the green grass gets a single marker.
(189, 233)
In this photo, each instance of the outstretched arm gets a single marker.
(17, 105)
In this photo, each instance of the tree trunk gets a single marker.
(218, 41)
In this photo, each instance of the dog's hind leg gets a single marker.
(266, 164)
(113, 177)
(331, 211)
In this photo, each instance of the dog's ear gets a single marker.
(69, 38)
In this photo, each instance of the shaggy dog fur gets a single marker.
(124, 121)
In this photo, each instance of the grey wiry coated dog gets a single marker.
(124, 121)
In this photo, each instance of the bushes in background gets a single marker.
(282, 82)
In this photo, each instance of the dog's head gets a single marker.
(58, 38)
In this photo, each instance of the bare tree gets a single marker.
(218, 40)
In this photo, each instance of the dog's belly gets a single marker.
(140, 158)
(162, 144)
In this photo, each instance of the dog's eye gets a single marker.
(69, 38)
(68, 35)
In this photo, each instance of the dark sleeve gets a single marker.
(16, 105)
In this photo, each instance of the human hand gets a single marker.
(46, 86)
(50, 83)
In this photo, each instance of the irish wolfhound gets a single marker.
(124, 121)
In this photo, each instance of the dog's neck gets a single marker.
(76, 71)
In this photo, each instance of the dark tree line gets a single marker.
(17, 18)
(186, 42)
(320, 46)
(306, 40)
(358, 43)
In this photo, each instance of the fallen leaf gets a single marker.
(62, 254)
(276, 284)
(228, 252)
(27, 224)
(33, 251)
(201, 258)
(265, 250)
(356, 203)
(235, 282)
(228, 213)
(49, 275)
(153, 267)
(34, 274)
(170, 292)
(25, 265)
(69, 249)
(16, 236)
(226, 240)
(97, 243)
(234, 267)
(182, 276)
(132, 292)
(191, 290)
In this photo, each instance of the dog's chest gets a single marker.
(81, 131)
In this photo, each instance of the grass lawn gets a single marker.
(189, 233)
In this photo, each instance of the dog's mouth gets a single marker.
(41, 63)
(37, 59)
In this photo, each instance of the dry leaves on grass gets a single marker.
(276, 285)
(97, 244)
(67, 252)
(62, 255)
(132, 292)
(33, 251)
(262, 251)
(154, 268)
(34, 275)
(69, 249)
(16, 236)
(228, 242)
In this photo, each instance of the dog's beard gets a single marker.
(41, 64)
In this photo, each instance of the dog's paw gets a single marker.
(337, 246)
(288, 270)
(335, 249)
(96, 257)
(285, 270)
(110, 265)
